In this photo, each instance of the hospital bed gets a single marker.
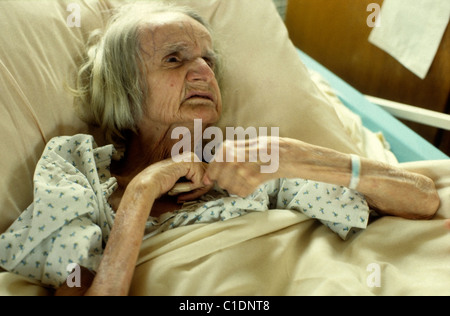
(265, 83)
(405, 143)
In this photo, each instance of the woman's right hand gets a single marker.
(161, 177)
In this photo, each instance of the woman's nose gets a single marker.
(200, 71)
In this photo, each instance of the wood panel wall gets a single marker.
(335, 33)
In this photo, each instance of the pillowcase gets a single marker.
(264, 84)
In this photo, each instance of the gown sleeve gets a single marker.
(69, 220)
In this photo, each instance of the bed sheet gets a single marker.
(281, 252)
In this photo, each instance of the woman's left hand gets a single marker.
(241, 166)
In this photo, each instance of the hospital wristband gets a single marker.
(356, 172)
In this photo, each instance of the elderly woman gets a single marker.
(153, 70)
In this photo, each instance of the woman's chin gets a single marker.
(208, 114)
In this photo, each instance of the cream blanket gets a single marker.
(281, 252)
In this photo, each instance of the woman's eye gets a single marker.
(172, 59)
(211, 63)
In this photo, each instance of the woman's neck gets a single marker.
(144, 149)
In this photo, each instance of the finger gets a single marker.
(237, 178)
(185, 187)
(206, 180)
(180, 188)
(212, 172)
(193, 195)
(230, 179)
(245, 183)
(447, 223)
(195, 172)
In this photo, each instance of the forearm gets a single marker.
(116, 269)
(305, 161)
(395, 191)
(388, 189)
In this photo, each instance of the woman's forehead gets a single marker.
(166, 31)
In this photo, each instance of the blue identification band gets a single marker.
(356, 172)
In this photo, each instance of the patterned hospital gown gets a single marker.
(70, 218)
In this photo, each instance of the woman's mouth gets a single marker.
(204, 95)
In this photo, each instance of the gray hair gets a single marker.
(111, 84)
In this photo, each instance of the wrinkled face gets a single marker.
(179, 60)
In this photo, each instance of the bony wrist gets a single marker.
(145, 187)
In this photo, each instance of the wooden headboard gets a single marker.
(336, 33)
